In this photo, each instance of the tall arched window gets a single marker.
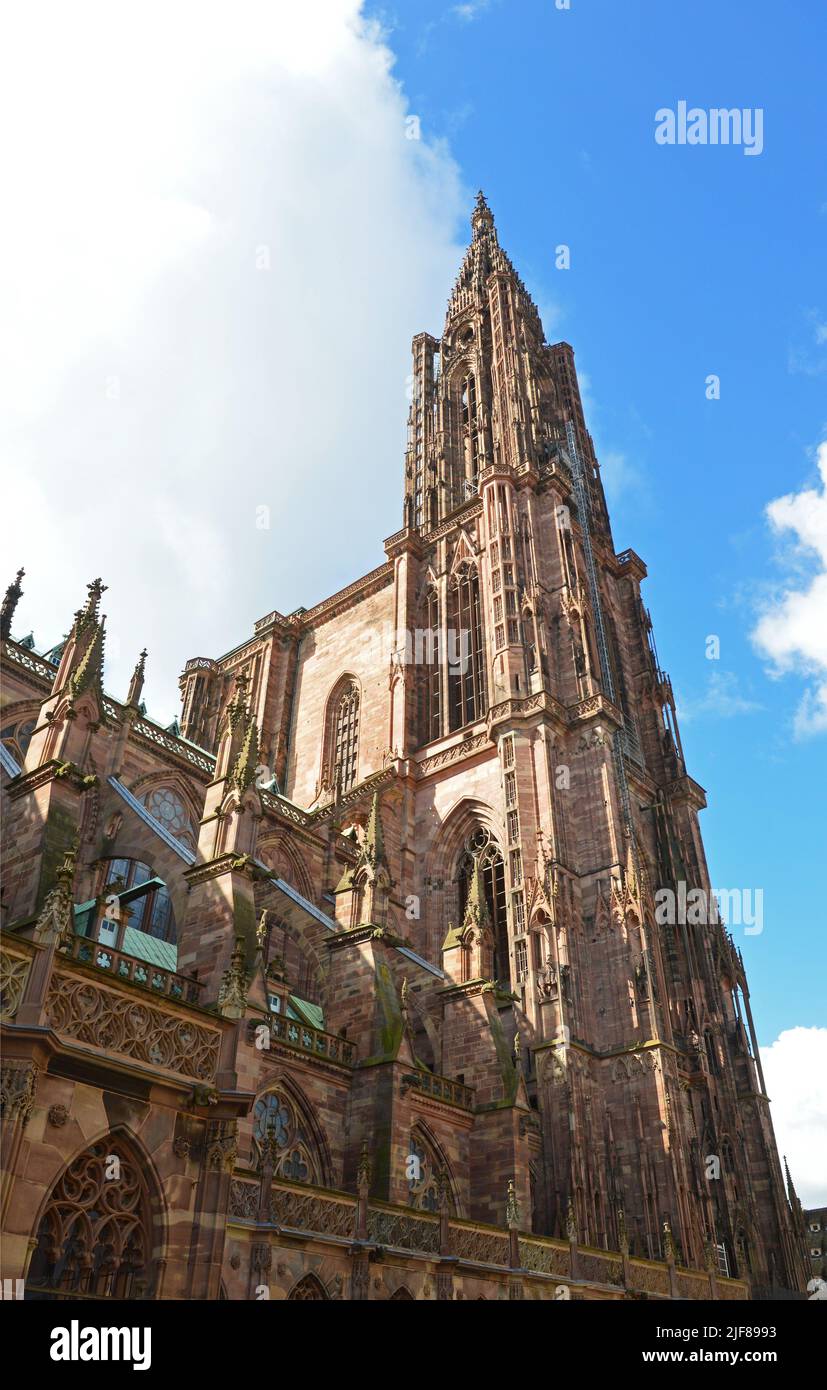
(430, 680)
(466, 664)
(95, 1236)
(345, 738)
(481, 846)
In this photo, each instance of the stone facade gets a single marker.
(352, 984)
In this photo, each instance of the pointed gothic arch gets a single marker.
(101, 1228)
(430, 664)
(309, 1289)
(402, 1295)
(300, 1151)
(340, 748)
(431, 1170)
(482, 850)
(465, 648)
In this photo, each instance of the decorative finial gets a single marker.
(95, 590)
(363, 1171)
(622, 1233)
(481, 218)
(136, 684)
(56, 917)
(232, 996)
(9, 604)
(512, 1208)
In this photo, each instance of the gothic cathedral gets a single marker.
(352, 982)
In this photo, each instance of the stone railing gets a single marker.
(318, 1211)
(404, 1230)
(198, 757)
(117, 1022)
(271, 801)
(166, 983)
(29, 661)
(441, 1088)
(314, 1041)
(312, 1211)
(478, 1244)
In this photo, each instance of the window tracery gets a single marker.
(483, 847)
(277, 1117)
(466, 672)
(344, 739)
(95, 1235)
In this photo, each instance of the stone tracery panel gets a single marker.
(80, 1009)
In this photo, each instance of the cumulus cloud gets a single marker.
(795, 1072)
(224, 238)
(792, 630)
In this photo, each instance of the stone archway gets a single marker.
(308, 1289)
(95, 1235)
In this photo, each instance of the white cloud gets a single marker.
(158, 385)
(795, 1072)
(792, 630)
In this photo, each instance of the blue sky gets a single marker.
(685, 261)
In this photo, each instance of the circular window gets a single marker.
(169, 809)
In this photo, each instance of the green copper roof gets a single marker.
(149, 948)
(308, 1013)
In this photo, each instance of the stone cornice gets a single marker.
(338, 603)
(51, 771)
(685, 789)
(408, 541)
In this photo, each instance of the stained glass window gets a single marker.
(277, 1116)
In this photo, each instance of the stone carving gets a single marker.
(82, 1010)
(244, 1199)
(222, 1144)
(403, 1232)
(58, 1115)
(14, 972)
(545, 1259)
(481, 1246)
(18, 1084)
(307, 1212)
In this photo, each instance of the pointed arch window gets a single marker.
(466, 667)
(308, 1289)
(426, 1173)
(277, 1116)
(95, 1236)
(345, 738)
(430, 683)
(481, 846)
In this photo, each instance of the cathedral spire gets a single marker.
(482, 218)
(9, 604)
